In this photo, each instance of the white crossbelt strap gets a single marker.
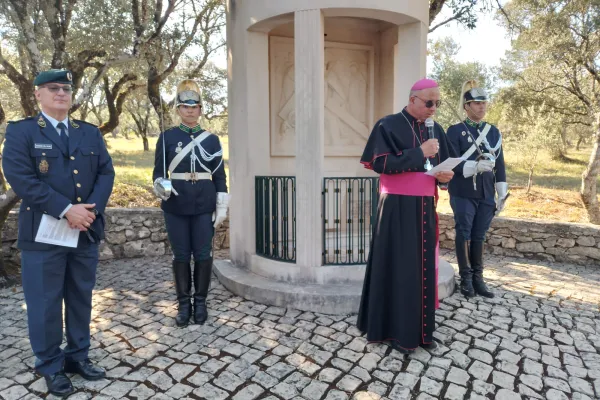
(482, 136)
(186, 150)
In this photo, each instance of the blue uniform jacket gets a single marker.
(47, 178)
(198, 197)
(463, 187)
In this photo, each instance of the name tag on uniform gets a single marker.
(43, 146)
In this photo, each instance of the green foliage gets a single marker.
(451, 74)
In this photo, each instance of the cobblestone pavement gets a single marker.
(539, 339)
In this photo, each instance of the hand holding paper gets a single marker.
(446, 166)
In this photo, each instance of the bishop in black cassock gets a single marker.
(399, 295)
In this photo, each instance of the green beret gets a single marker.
(54, 76)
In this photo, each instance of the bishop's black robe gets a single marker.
(399, 295)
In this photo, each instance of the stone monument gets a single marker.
(307, 81)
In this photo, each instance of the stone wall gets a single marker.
(534, 239)
(141, 232)
(129, 233)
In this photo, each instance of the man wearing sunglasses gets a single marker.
(478, 190)
(60, 168)
(400, 292)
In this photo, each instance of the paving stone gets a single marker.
(249, 392)
(406, 380)
(580, 385)
(558, 384)
(455, 392)
(118, 389)
(430, 386)
(458, 376)
(503, 380)
(505, 394)
(480, 370)
(208, 391)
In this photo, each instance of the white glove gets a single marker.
(476, 167)
(502, 195)
(220, 213)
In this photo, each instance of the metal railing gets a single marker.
(275, 204)
(349, 212)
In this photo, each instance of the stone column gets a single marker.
(310, 127)
(410, 60)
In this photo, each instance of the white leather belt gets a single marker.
(190, 176)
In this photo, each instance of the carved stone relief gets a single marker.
(348, 98)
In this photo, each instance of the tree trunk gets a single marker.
(589, 179)
(529, 180)
(146, 144)
(579, 141)
(565, 142)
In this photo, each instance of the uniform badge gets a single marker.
(469, 139)
(41, 122)
(178, 149)
(44, 166)
(464, 133)
(74, 125)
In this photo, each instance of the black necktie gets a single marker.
(63, 135)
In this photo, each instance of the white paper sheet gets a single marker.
(447, 165)
(56, 231)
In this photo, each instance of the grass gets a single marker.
(554, 195)
(555, 191)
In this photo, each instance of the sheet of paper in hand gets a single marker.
(56, 231)
(446, 166)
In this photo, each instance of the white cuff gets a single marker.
(222, 199)
(501, 189)
(65, 211)
(470, 168)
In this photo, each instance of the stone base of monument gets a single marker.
(332, 298)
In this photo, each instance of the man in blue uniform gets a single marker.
(61, 170)
(478, 189)
(189, 176)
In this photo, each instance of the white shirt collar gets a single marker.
(55, 122)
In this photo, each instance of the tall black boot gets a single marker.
(464, 269)
(182, 274)
(202, 274)
(476, 256)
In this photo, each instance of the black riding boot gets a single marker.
(182, 274)
(202, 274)
(476, 255)
(464, 269)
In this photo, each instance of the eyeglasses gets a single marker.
(56, 89)
(430, 103)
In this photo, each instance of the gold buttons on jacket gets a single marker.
(79, 199)
(72, 157)
(43, 154)
(79, 185)
(75, 172)
(28, 208)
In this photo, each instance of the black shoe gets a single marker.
(86, 369)
(476, 257)
(430, 346)
(59, 384)
(182, 275)
(202, 274)
(402, 350)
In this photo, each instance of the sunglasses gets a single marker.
(56, 89)
(430, 103)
